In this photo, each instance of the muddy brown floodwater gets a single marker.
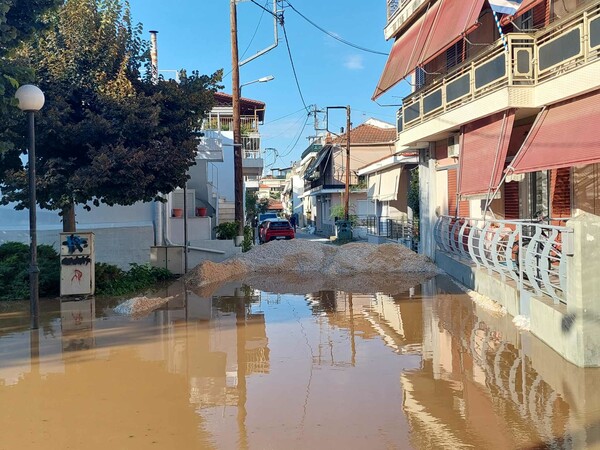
(413, 366)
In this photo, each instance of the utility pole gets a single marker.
(237, 138)
(347, 193)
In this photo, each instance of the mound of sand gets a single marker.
(308, 258)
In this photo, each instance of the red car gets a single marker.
(273, 229)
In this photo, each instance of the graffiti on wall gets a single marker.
(77, 263)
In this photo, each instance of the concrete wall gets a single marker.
(428, 201)
(574, 329)
(123, 234)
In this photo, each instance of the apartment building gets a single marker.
(503, 111)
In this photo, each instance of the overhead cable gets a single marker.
(293, 67)
(333, 35)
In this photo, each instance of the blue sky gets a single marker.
(195, 35)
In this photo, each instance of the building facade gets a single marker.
(508, 157)
(324, 178)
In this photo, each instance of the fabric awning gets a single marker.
(442, 25)
(454, 19)
(406, 52)
(525, 6)
(564, 135)
(314, 166)
(374, 184)
(389, 184)
(483, 150)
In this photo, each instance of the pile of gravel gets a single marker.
(304, 258)
(139, 307)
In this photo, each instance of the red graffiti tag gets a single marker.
(77, 275)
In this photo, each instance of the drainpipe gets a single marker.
(158, 205)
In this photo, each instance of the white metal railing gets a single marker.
(220, 122)
(521, 64)
(252, 154)
(530, 253)
(393, 6)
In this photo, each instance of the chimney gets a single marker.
(154, 56)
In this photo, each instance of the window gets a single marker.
(454, 55)
(526, 20)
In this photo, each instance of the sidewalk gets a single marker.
(311, 237)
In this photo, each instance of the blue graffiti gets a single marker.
(75, 242)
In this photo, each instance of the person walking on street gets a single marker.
(293, 222)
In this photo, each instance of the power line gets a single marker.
(253, 35)
(334, 36)
(283, 117)
(264, 8)
(298, 121)
(256, 29)
(293, 67)
(297, 138)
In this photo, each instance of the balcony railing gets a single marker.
(529, 60)
(529, 253)
(225, 123)
(393, 6)
(251, 154)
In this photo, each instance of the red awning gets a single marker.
(526, 5)
(439, 27)
(564, 135)
(483, 153)
(406, 52)
(454, 19)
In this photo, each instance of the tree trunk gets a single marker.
(68, 218)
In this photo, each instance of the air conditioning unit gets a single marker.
(453, 146)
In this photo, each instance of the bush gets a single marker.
(339, 210)
(110, 280)
(14, 271)
(227, 230)
(248, 239)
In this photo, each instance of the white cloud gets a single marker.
(354, 62)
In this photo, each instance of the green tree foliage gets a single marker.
(262, 205)
(106, 134)
(19, 20)
(251, 199)
(14, 271)
(413, 192)
(255, 205)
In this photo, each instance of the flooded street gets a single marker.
(425, 368)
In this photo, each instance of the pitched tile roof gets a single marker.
(275, 205)
(368, 134)
(247, 105)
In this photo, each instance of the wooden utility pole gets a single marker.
(237, 135)
(347, 193)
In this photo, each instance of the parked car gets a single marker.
(273, 229)
(266, 216)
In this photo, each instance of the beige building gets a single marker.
(324, 179)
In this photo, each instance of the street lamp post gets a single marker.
(31, 99)
(260, 80)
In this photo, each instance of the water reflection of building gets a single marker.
(397, 319)
(481, 384)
